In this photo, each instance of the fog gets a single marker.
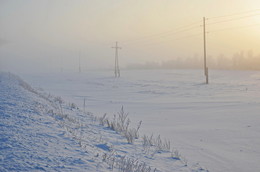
(57, 35)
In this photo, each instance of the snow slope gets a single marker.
(30, 140)
(41, 132)
(216, 125)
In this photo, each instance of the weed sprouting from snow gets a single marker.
(120, 123)
(185, 161)
(155, 144)
(73, 106)
(103, 119)
(177, 156)
(58, 99)
(126, 164)
(151, 145)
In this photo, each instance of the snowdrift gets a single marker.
(41, 132)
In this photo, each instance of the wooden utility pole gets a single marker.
(205, 53)
(117, 70)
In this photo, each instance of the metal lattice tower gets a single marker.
(117, 70)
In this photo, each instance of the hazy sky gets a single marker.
(50, 34)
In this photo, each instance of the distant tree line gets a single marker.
(239, 61)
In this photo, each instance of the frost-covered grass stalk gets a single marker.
(120, 123)
(155, 144)
(176, 155)
(122, 163)
(126, 164)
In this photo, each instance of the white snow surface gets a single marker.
(42, 132)
(215, 125)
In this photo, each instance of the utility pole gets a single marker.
(117, 71)
(206, 72)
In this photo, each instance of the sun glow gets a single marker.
(157, 30)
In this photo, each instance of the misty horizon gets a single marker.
(79, 78)
(56, 35)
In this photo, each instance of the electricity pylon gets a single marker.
(117, 70)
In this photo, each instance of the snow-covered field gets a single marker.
(216, 125)
(42, 132)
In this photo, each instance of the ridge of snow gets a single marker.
(40, 132)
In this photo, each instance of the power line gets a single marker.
(233, 19)
(166, 33)
(235, 14)
(174, 39)
(193, 25)
(233, 28)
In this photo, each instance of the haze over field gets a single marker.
(66, 51)
(215, 125)
(52, 35)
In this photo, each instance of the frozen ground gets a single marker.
(216, 125)
(41, 132)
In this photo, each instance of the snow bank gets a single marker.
(40, 132)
